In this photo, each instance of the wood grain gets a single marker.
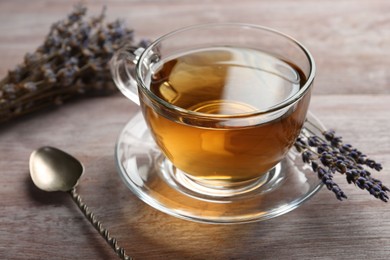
(349, 40)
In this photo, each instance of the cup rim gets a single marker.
(285, 103)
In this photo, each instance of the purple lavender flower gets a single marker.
(329, 155)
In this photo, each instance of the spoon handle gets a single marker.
(98, 226)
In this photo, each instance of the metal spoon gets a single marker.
(54, 170)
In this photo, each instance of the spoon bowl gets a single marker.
(54, 170)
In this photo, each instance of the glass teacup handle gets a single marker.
(123, 66)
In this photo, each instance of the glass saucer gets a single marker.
(151, 177)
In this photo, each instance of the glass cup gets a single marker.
(223, 102)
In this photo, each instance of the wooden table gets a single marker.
(350, 42)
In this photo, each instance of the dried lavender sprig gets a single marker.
(346, 149)
(325, 174)
(350, 151)
(333, 157)
(72, 61)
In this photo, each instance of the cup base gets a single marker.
(220, 193)
(153, 178)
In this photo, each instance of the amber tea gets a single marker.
(226, 82)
